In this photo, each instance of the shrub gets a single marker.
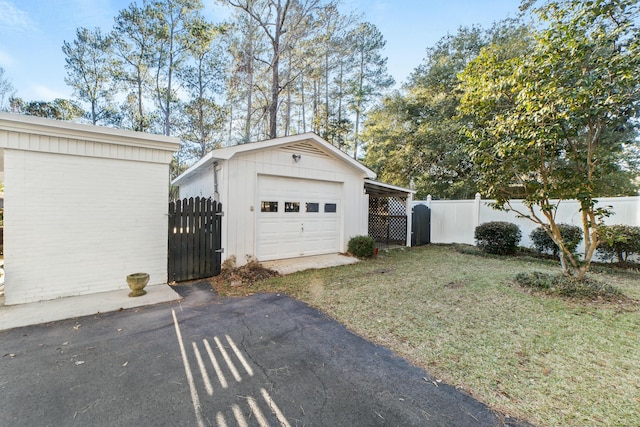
(571, 236)
(619, 241)
(568, 287)
(537, 280)
(498, 237)
(362, 246)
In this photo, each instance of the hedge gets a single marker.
(498, 237)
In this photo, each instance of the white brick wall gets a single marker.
(77, 225)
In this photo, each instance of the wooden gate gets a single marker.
(194, 239)
(421, 225)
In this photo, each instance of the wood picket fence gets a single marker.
(195, 229)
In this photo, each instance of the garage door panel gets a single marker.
(319, 229)
(280, 238)
(310, 231)
(271, 251)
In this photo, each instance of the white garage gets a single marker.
(283, 198)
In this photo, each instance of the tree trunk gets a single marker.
(315, 105)
(94, 119)
(275, 72)
(247, 123)
(304, 118)
(326, 90)
(275, 89)
(287, 123)
(140, 106)
(230, 123)
(356, 134)
(340, 95)
(167, 114)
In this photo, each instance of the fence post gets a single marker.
(409, 210)
(429, 201)
(476, 211)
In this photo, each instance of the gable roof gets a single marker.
(305, 142)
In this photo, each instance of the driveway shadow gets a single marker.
(322, 373)
(261, 360)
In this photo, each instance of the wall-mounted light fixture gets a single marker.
(296, 157)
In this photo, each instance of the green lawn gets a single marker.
(542, 359)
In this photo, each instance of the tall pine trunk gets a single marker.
(275, 91)
(304, 114)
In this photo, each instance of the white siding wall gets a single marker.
(200, 184)
(78, 225)
(238, 180)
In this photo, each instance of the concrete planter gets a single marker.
(137, 282)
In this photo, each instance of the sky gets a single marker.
(32, 33)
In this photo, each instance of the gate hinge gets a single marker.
(219, 251)
(219, 213)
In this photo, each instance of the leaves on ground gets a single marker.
(243, 276)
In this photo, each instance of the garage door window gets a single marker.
(268, 206)
(330, 207)
(292, 206)
(313, 207)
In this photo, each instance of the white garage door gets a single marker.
(297, 217)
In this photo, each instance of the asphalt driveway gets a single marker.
(265, 360)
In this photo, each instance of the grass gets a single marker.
(547, 360)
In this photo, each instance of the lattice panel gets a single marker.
(388, 220)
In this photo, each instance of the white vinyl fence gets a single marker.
(454, 221)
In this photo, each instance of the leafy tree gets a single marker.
(6, 90)
(324, 78)
(414, 136)
(543, 124)
(58, 109)
(89, 65)
(170, 22)
(317, 71)
(203, 78)
(244, 45)
(369, 77)
(133, 36)
(281, 22)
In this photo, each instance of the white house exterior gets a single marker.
(84, 206)
(283, 198)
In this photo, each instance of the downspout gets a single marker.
(216, 195)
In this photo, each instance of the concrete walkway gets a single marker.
(14, 316)
(291, 265)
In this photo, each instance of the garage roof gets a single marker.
(228, 152)
(380, 189)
